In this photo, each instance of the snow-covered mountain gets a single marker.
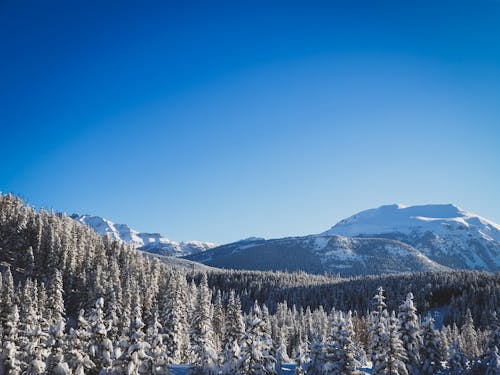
(153, 243)
(388, 239)
(444, 233)
(319, 254)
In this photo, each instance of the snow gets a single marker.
(152, 242)
(288, 368)
(396, 218)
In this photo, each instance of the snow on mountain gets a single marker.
(388, 239)
(319, 254)
(150, 242)
(445, 233)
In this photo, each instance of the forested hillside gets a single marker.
(74, 302)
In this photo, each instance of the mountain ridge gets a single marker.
(153, 243)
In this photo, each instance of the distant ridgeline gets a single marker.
(72, 301)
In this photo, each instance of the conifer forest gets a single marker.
(73, 302)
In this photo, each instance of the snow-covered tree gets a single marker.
(203, 351)
(469, 338)
(457, 361)
(157, 350)
(410, 331)
(79, 338)
(379, 334)
(101, 347)
(257, 346)
(137, 360)
(173, 318)
(300, 354)
(493, 366)
(396, 355)
(9, 364)
(233, 335)
(432, 351)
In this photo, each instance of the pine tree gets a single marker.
(457, 361)
(350, 365)
(379, 335)
(432, 352)
(158, 350)
(257, 345)
(468, 336)
(410, 330)
(174, 313)
(396, 355)
(78, 358)
(494, 363)
(300, 355)
(203, 350)
(9, 364)
(137, 359)
(101, 347)
(233, 334)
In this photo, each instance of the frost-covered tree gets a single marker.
(379, 334)
(78, 357)
(347, 355)
(468, 337)
(9, 364)
(101, 347)
(493, 365)
(137, 360)
(157, 350)
(233, 335)
(432, 351)
(457, 361)
(203, 351)
(300, 354)
(410, 331)
(257, 346)
(173, 318)
(396, 355)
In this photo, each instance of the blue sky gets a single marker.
(220, 120)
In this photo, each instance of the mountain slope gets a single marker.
(445, 233)
(388, 239)
(153, 243)
(319, 254)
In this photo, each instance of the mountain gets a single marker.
(153, 243)
(319, 254)
(388, 239)
(444, 233)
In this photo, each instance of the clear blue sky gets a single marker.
(219, 120)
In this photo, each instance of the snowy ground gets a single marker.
(288, 369)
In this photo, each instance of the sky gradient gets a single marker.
(221, 120)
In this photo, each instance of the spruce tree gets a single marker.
(203, 350)
(432, 351)
(410, 331)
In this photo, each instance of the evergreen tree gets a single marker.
(300, 355)
(78, 358)
(257, 345)
(396, 355)
(469, 338)
(158, 350)
(101, 347)
(233, 335)
(203, 350)
(174, 313)
(494, 363)
(379, 335)
(410, 331)
(432, 352)
(9, 364)
(457, 361)
(137, 358)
